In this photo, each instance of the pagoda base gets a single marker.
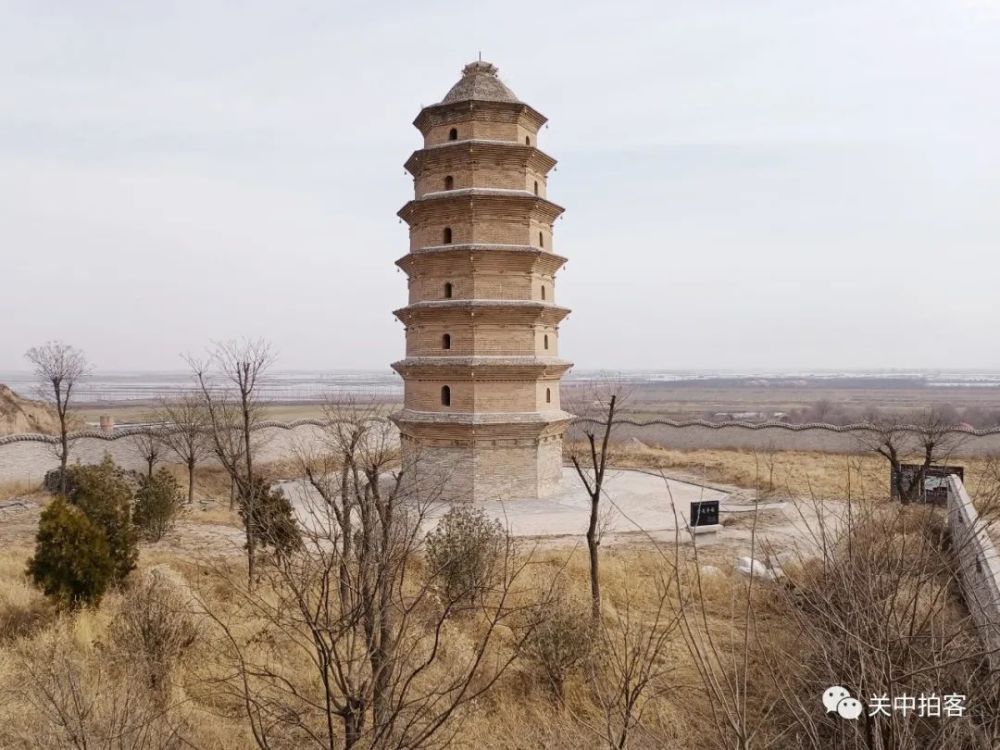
(483, 463)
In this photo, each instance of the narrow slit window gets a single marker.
(449, 183)
(453, 134)
(446, 341)
(543, 292)
(545, 341)
(447, 236)
(448, 290)
(548, 395)
(536, 187)
(445, 396)
(541, 240)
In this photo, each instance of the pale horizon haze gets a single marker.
(769, 185)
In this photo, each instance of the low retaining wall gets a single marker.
(826, 438)
(979, 566)
(26, 458)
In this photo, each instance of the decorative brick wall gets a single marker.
(26, 458)
(701, 434)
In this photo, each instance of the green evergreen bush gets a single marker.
(157, 503)
(272, 519)
(105, 495)
(72, 562)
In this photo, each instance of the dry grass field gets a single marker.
(115, 677)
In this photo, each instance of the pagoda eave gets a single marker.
(477, 200)
(541, 259)
(442, 112)
(500, 311)
(483, 367)
(473, 148)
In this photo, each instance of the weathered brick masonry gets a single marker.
(481, 407)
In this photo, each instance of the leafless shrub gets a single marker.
(153, 628)
(561, 641)
(71, 696)
(463, 551)
(879, 613)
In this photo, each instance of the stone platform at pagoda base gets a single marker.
(635, 502)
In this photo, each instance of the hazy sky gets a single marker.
(747, 184)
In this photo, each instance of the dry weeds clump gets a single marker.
(561, 642)
(154, 627)
(64, 687)
(23, 608)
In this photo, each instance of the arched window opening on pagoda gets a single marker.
(545, 341)
(548, 395)
(453, 134)
(446, 341)
(447, 235)
(541, 240)
(527, 140)
(543, 291)
(448, 289)
(449, 183)
(536, 187)
(445, 396)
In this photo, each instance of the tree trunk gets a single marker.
(63, 457)
(592, 544)
(63, 444)
(354, 722)
(190, 465)
(250, 494)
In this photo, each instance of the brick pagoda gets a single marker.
(481, 406)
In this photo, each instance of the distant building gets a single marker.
(482, 372)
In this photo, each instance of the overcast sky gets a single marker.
(747, 184)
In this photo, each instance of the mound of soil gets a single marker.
(19, 415)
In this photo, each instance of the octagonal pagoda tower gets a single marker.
(481, 406)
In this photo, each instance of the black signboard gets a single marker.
(705, 513)
(935, 489)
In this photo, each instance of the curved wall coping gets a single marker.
(858, 427)
(125, 432)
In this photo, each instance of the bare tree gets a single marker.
(925, 438)
(596, 409)
(186, 432)
(229, 382)
(148, 444)
(59, 367)
(630, 665)
(367, 617)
